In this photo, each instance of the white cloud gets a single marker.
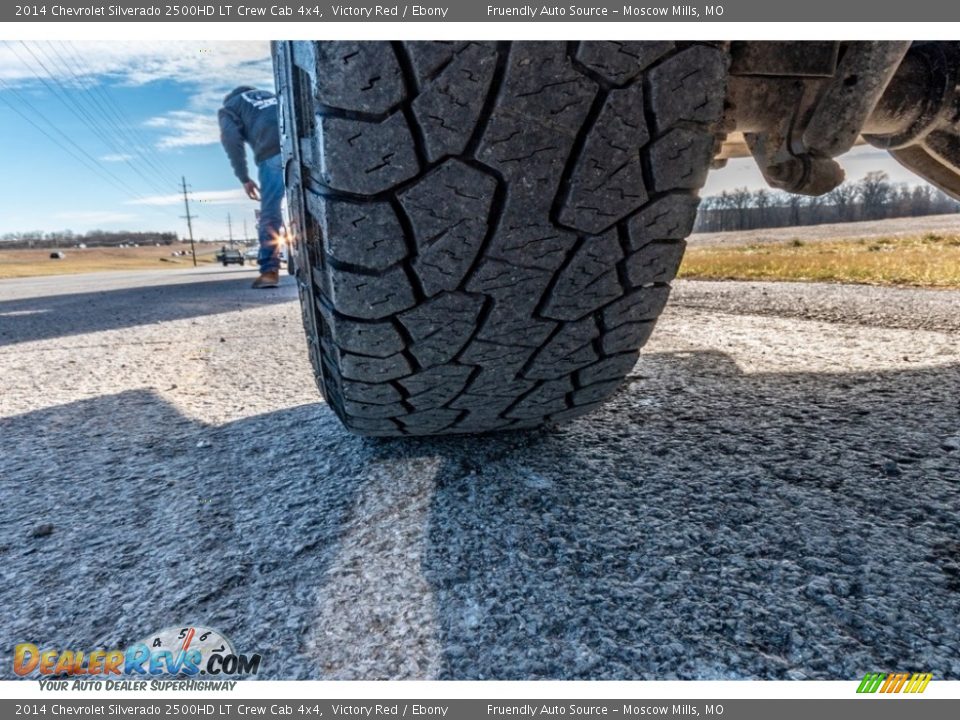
(184, 128)
(220, 64)
(208, 69)
(202, 197)
(116, 158)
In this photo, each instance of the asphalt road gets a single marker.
(775, 493)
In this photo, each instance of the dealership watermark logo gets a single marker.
(173, 652)
(889, 683)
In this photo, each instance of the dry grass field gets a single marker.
(31, 263)
(925, 260)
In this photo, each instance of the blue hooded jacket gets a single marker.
(249, 115)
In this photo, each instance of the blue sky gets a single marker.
(141, 113)
(153, 108)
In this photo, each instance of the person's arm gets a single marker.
(232, 140)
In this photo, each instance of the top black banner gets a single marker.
(589, 11)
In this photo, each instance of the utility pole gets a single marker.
(230, 229)
(189, 217)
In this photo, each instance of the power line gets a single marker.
(69, 144)
(83, 158)
(83, 114)
(71, 141)
(117, 131)
(75, 151)
(122, 119)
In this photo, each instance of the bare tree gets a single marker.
(761, 200)
(874, 191)
(843, 198)
(795, 202)
(815, 207)
(872, 197)
(740, 200)
(921, 200)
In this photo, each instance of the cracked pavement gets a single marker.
(775, 493)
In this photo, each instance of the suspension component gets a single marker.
(797, 106)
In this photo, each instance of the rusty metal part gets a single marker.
(735, 146)
(784, 59)
(849, 98)
(796, 106)
(918, 119)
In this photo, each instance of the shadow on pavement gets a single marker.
(708, 525)
(51, 316)
(705, 524)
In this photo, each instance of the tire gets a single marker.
(487, 231)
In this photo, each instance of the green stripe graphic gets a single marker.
(871, 682)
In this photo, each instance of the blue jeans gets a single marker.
(270, 175)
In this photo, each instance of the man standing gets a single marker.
(249, 116)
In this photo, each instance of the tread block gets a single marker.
(596, 392)
(532, 244)
(378, 339)
(549, 397)
(381, 394)
(428, 422)
(486, 404)
(371, 369)
(627, 337)
(449, 105)
(366, 158)
(611, 368)
(440, 327)
(372, 410)
(533, 155)
(482, 420)
(689, 87)
(589, 281)
(669, 217)
(507, 358)
(428, 58)
(655, 262)
(620, 62)
(516, 289)
(569, 350)
(373, 427)
(640, 304)
(448, 210)
(363, 234)
(435, 386)
(358, 76)
(370, 296)
(680, 159)
(505, 327)
(607, 181)
(542, 85)
(491, 382)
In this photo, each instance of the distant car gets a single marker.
(230, 257)
(57, 255)
(252, 253)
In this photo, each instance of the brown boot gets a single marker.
(267, 280)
